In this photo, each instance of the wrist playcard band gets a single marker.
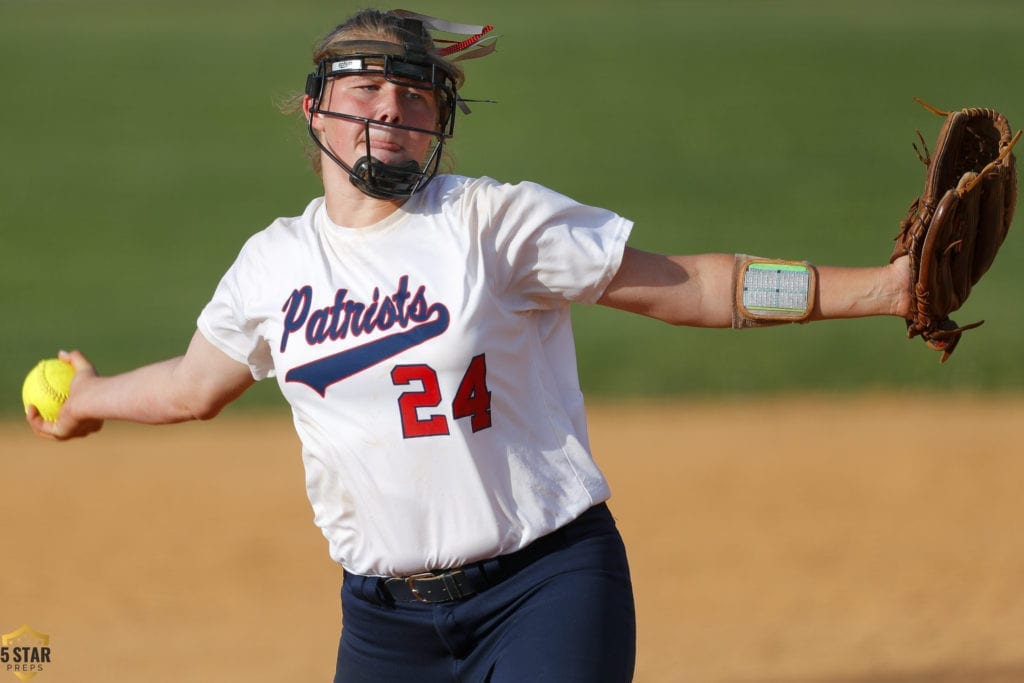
(772, 291)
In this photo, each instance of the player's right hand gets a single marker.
(69, 424)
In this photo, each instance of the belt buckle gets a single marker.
(410, 581)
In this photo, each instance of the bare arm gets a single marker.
(195, 386)
(697, 290)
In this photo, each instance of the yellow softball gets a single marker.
(47, 386)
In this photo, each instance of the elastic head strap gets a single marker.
(476, 34)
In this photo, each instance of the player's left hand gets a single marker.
(903, 281)
(954, 229)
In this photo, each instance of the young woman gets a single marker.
(418, 324)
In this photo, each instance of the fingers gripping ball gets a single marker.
(47, 386)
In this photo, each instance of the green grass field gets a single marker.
(142, 143)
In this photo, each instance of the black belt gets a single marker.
(455, 584)
(437, 586)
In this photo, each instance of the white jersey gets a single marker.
(430, 366)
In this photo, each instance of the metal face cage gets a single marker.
(405, 67)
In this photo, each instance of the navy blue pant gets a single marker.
(566, 617)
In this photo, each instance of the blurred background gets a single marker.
(143, 141)
(797, 507)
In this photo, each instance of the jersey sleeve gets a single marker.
(229, 323)
(547, 249)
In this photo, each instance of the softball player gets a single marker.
(418, 325)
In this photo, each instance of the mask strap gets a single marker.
(479, 36)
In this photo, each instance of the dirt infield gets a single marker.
(784, 540)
